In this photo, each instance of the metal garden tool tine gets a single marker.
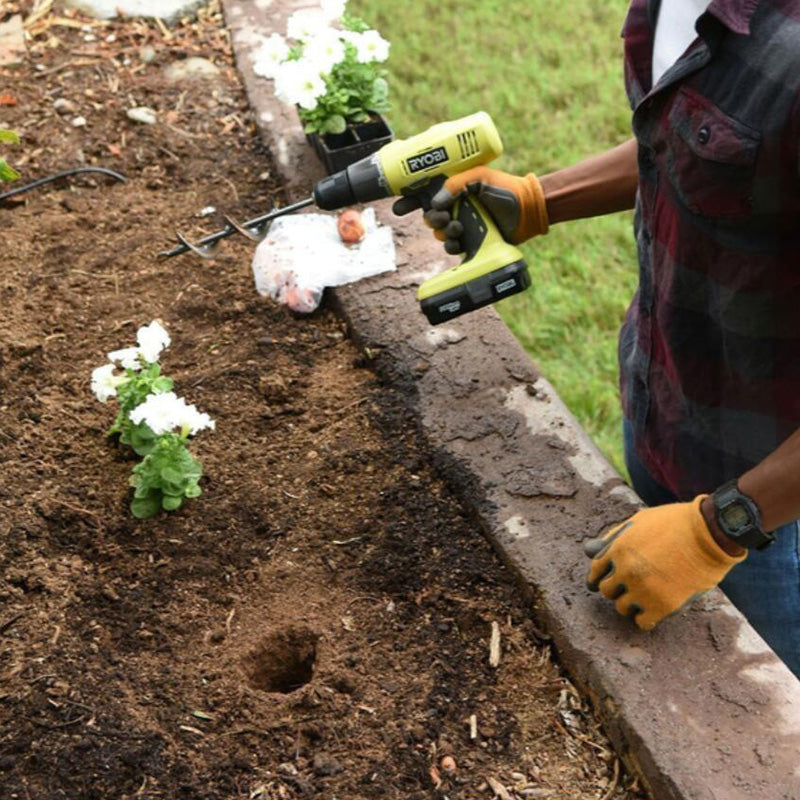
(207, 251)
(254, 229)
(253, 232)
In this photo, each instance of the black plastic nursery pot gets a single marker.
(338, 150)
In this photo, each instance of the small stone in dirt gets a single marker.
(449, 765)
(147, 53)
(64, 106)
(325, 764)
(287, 768)
(12, 42)
(190, 69)
(142, 114)
(79, 122)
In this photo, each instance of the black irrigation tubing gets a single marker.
(65, 174)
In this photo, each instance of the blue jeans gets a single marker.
(765, 587)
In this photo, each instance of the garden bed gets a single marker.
(317, 623)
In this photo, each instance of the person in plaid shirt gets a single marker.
(710, 348)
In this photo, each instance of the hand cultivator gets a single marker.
(254, 229)
(416, 168)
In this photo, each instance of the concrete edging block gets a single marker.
(700, 708)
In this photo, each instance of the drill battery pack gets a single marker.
(476, 293)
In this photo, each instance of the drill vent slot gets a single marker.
(468, 142)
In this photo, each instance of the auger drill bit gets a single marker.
(254, 229)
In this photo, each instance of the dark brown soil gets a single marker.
(317, 623)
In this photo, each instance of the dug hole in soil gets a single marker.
(317, 623)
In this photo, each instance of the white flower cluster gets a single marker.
(300, 81)
(151, 340)
(164, 413)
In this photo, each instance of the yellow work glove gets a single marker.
(657, 561)
(516, 204)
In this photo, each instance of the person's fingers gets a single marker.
(598, 570)
(453, 246)
(455, 185)
(596, 547)
(436, 219)
(405, 205)
(440, 235)
(454, 229)
(626, 607)
(648, 619)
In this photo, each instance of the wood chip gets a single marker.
(499, 790)
(494, 646)
(473, 727)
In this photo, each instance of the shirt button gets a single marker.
(704, 135)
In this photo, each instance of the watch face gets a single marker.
(735, 517)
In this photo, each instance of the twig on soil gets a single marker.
(228, 621)
(50, 727)
(8, 623)
(494, 646)
(79, 510)
(473, 727)
(77, 62)
(613, 787)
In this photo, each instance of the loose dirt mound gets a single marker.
(317, 623)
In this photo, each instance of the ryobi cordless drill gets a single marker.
(491, 269)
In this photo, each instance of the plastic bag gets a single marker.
(303, 254)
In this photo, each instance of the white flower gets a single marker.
(304, 24)
(165, 412)
(370, 46)
(299, 83)
(127, 358)
(333, 9)
(105, 382)
(325, 50)
(152, 340)
(269, 56)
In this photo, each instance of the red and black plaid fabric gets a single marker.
(710, 348)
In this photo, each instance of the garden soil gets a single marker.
(317, 623)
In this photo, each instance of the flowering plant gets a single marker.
(6, 172)
(154, 421)
(331, 74)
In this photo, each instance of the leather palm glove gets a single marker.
(516, 204)
(657, 561)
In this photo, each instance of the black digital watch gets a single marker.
(739, 518)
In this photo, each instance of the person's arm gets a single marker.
(774, 485)
(599, 185)
(525, 206)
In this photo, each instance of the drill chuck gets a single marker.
(361, 182)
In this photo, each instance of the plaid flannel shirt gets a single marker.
(710, 348)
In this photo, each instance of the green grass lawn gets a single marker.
(550, 74)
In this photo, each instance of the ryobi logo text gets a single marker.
(430, 158)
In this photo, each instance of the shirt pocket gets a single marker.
(710, 157)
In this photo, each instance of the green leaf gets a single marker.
(171, 475)
(142, 439)
(8, 136)
(171, 502)
(146, 507)
(162, 384)
(6, 172)
(193, 491)
(335, 124)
